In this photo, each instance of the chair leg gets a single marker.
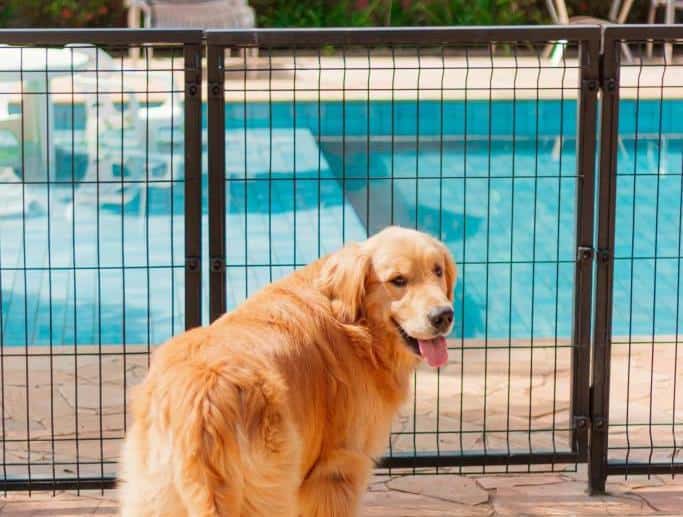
(670, 17)
(650, 20)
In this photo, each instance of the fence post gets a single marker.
(589, 83)
(193, 185)
(216, 145)
(602, 337)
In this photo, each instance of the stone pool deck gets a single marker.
(490, 397)
(379, 77)
(411, 496)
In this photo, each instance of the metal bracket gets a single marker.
(584, 253)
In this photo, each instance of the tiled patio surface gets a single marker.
(526, 494)
(487, 399)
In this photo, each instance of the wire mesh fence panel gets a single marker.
(93, 205)
(330, 136)
(645, 391)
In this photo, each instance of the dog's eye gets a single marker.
(399, 281)
(438, 271)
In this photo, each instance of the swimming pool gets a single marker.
(496, 181)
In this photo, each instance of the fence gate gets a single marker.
(484, 137)
(100, 238)
(637, 396)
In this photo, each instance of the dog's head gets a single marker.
(400, 283)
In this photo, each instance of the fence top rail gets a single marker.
(643, 32)
(47, 37)
(422, 36)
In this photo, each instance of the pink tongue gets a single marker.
(435, 351)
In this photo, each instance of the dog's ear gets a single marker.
(450, 271)
(342, 279)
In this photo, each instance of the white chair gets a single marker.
(558, 13)
(670, 7)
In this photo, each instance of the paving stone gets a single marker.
(457, 489)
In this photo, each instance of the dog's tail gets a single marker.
(230, 432)
(202, 407)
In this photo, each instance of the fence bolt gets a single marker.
(591, 84)
(193, 90)
(217, 265)
(192, 264)
(215, 90)
(581, 422)
(611, 84)
(600, 423)
(584, 253)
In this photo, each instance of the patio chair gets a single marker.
(190, 14)
(558, 13)
(106, 125)
(670, 8)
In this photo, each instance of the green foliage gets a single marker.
(61, 13)
(357, 13)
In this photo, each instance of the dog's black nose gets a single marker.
(441, 317)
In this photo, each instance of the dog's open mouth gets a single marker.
(434, 350)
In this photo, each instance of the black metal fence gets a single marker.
(484, 137)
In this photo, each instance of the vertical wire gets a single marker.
(270, 165)
(656, 262)
(99, 258)
(488, 246)
(246, 174)
(393, 131)
(417, 217)
(320, 72)
(123, 254)
(147, 265)
(172, 178)
(367, 150)
(48, 187)
(678, 306)
(441, 238)
(557, 256)
(294, 171)
(533, 254)
(2, 373)
(49, 264)
(632, 263)
(24, 232)
(464, 252)
(512, 243)
(73, 256)
(343, 200)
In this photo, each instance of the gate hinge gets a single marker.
(584, 253)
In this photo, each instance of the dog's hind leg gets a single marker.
(334, 487)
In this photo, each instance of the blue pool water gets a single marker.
(302, 180)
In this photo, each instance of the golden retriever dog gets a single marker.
(280, 407)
